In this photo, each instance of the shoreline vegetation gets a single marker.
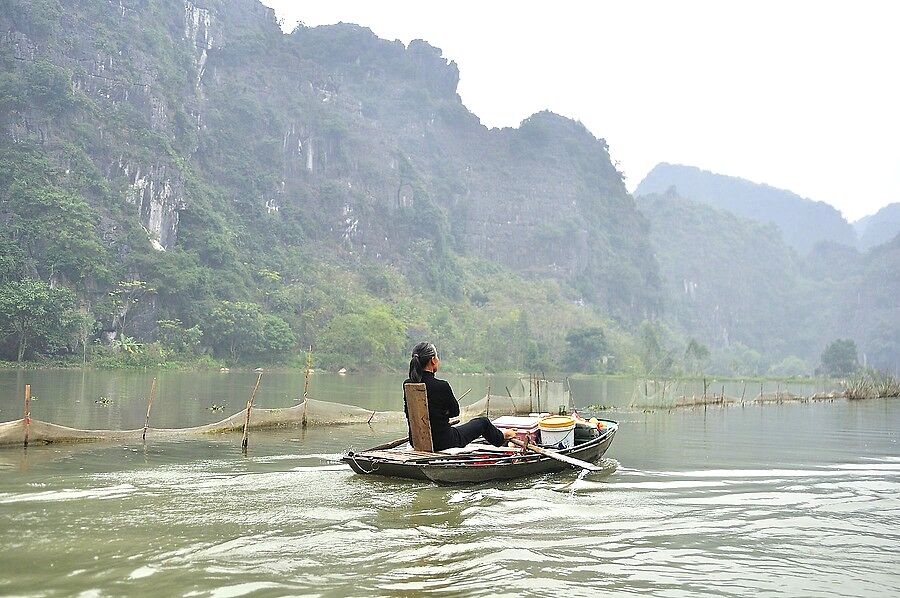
(863, 384)
(207, 363)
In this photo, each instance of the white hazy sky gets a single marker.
(799, 94)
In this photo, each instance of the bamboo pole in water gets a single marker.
(246, 437)
(149, 406)
(306, 386)
(487, 403)
(306, 372)
(530, 388)
(27, 415)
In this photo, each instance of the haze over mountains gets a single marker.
(803, 222)
(878, 228)
(333, 183)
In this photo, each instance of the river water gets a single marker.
(785, 499)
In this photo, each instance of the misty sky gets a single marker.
(802, 95)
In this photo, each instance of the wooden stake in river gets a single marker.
(306, 386)
(149, 406)
(530, 390)
(247, 419)
(27, 417)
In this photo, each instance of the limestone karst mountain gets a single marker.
(728, 279)
(878, 228)
(802, 222)
(201, 150)
(197, 176)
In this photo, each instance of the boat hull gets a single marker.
(483, 470)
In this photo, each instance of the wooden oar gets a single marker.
(557, 456)
(399, 441)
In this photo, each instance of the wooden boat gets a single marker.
(479, 462)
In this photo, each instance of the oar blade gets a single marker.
(557, 456)
(575, 462)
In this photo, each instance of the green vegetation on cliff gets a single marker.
(197, 182)
(731, 281)
(186, 182)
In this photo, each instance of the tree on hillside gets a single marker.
(656, 358)
(374, 337)
(58, 231)
(790, 367)
(696, 356)
(584, 349)
(11, 258)
(839, 358)
(37, 315)
(84, 326)
(240, 329)
(176, 337)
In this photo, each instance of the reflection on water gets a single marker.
(797, 499)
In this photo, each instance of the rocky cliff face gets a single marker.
(729, 280)
(197, 148)
(204, 124)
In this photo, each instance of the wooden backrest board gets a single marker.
(419, 424)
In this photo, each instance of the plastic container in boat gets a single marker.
(585, 431)
(526, 427)
(557, 431)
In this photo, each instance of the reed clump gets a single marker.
(887, 385)
(872, 385)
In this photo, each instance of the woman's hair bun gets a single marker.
(416, 366)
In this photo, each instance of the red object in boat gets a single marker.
(526, 427)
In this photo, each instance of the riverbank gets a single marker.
(207, 364)
(204, 363)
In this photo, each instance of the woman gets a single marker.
(442, 405)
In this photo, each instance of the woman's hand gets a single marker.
(509, 433)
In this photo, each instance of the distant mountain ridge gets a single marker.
(878, 228)
(728, 279)
(803, 222)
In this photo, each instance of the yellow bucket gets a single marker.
(555, 422)
(558, 430)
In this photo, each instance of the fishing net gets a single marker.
(543, 395)
(309, 413)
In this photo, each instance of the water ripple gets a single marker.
(669, 517)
